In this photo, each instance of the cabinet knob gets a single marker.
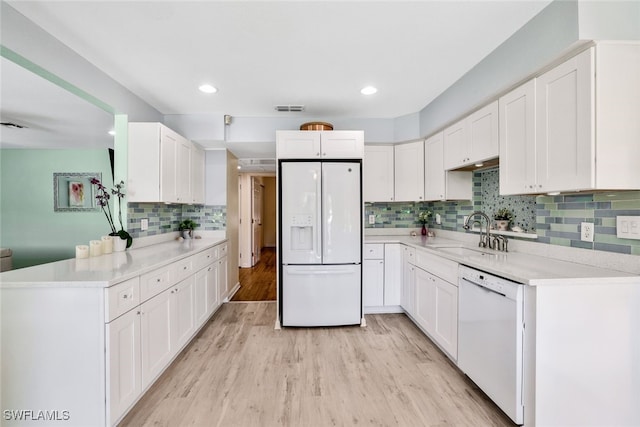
(317, 154)
(125, 296)
(158, 280)
(138, 312)
(184, 268)
(324, 154)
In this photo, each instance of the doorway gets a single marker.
(257, 238)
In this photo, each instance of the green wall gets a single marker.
(28, 223)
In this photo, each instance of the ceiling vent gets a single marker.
(289, 108)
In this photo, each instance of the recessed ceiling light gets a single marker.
(479, 164)
(207, 88)
(368, 90)
(553, 193)
(112, 132)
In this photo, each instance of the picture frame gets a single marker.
(73, 191)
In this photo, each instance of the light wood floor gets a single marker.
(259, 282)
(239, 371)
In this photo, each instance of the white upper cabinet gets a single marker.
(377, 173)
(320, 144)
(472, 139)
(197, 175)
(438, 183)
(518, 140)
(576, 126)
(159, 165)
(409, 172)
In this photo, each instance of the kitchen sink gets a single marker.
(464, 252)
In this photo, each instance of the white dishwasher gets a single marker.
(490, 337)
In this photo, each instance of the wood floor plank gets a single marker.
(240, 371)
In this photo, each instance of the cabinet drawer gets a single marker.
(374, 251)
(184, 268)
(121, 298)
(438, 266)
(205, 258)
(154, 282)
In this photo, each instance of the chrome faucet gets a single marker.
(485, 241)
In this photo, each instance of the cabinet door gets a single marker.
(182, 313)
(373, 282)
(409, 172)
(564, 120)
(345, 144)
(156, 336)
(168, 167)
(392, 274)
(213, 294)
(377, 173)
(223, 286)
(183, 171)
(197, 175)
(407, 295)
(200, 297)
(445, 317)
(434, 174)
(143, 171)
(298, 144)
(517, 140)
(483, 134)
(456, 148)
(124, 363)
(425, 306)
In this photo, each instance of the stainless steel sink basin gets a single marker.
(464, 252)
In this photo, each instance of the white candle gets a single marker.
(82, 251)
(107, 244)
(95, 248)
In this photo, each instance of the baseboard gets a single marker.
(391, 309)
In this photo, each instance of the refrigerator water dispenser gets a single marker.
(302, 232)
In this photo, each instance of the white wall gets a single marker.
(215, 187)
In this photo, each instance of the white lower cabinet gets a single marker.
(381, 278)
(124, 364)
(182, 319)
(156, 336)
(206, 293)
(437, 310)
(407, 293)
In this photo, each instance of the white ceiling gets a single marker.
(263, 53)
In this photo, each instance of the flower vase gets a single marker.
(119, 245)
(502, 224)
(186, 234)
(424, 230)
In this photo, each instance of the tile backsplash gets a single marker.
(165, 218)
(555, 219)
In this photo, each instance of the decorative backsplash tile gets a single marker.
(555, 219)
(165, 218)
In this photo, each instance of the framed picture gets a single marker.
(73, 191)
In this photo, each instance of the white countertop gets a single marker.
(105, 270)
(520, 267)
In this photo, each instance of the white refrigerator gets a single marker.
(321, 243)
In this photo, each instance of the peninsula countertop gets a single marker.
(520, 267)
(105, 270)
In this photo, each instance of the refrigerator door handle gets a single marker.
(318, 243)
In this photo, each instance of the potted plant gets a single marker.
(423, 217)
(102, 197)
(187, 226)
(503, 217)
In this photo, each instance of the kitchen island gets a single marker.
(581, 327)
(82, 339)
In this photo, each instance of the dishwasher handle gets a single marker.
(483, 287)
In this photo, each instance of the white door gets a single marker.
(156, 336)
(200, 297)
(373, 282)
(341, 213)
(409, 172)
(425, 304)
(343, 144)
(434, 175)
(182, 313)
(446, 316)
(124, 367)
(213, 294)
(256, 220)
(564, 120)
(483, 133)
(300, 213)
(297, 145)
(392, 274)
(518, 140)
(377, 173)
